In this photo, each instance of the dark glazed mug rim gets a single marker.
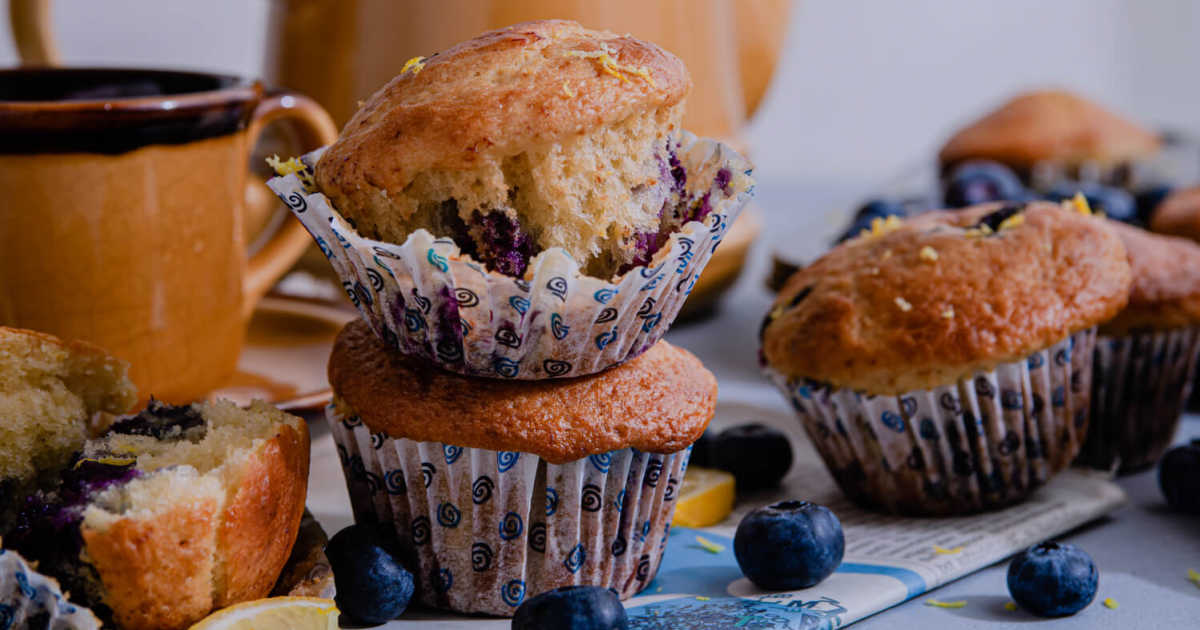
(193, 106)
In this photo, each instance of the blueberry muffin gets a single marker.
(158, 518)
(504, 489)
(539, 135)
(1055, 128)
(1146, 355)
(941, 365)
(1179, 214)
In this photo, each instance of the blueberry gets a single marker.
(1053, 579)
(575, 607)
(980, 182)
(1113, 202)
(757, 455)
(880, 209)
(789, 545)
(1179, 477)
(372, 586)
(1148, 200)
(702, 449)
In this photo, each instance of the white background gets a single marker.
(864, 88)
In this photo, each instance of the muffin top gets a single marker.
(1166, 283)
(1179, 214)
(493, 96)
(1051, 126)
(919, 304)
(659, 402)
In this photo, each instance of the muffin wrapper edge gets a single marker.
(423, 299)
(29, 598)
(982, 443)
(1140, 384)
(488, 529)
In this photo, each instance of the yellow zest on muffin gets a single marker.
(609, 64)
(879, 227)
(289, 166)
(929, 254)
(416, 64)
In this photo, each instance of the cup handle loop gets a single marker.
(286, 245)
(30, 24)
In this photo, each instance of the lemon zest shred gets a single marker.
(609, 64)
(1079, 204)
(1110, 603)
(107, 461)
(879, 226)
(567, 91)
(936, 549)
(1194, 577)
(1010, 606)
(928, 253)
(903, 304)
(1011, 222)
(416, 64)
(940, 604)
(292, 165)
(709, 546)
(702, 598)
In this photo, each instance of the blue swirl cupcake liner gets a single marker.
(487, 529)
(424, 299)
(29, 599)
(1140, 384)
(981, 443)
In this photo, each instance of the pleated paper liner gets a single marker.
(1139, 387)
(979, 444)
(424, 299)
(488, 529)
(29, 599)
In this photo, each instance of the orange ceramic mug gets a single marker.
(121, 219)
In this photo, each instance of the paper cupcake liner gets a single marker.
(1139, 387)
(487, 529)
(29, 599)
(978, 444)
(424, 299)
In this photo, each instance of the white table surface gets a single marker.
(1143, 550)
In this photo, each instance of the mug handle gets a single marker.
(286, 245)
(30, 24)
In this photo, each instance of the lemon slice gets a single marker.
(274, 613)
(705, 498)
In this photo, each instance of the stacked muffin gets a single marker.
(942, 365)
(519, 218)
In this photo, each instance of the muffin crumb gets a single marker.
(903, 304)
(929, 254)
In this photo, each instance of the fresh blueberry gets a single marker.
(1148, 200)
(1053, 579)
(1179, 477)
(1113, 202)
(575, 607)
(757, 455)
(980, 182)
(372, 586)
(880, 209)
(702, 449)
(789, 545)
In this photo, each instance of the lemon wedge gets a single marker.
(274, 613)
(705, 498)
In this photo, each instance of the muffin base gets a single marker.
(979, 444)
(1139, 387)
(487, 529)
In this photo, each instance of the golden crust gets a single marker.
(882, 314)
(495, 96)
(1166, 283)
(1052, 126)
(157, 572)
(659, 402)
(269, 501)
(1179, 214)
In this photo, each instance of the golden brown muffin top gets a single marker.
(926, 302)
(494, 96)
(1051, 126)
(1179, 214)
(1166, 282)
(659, 402)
